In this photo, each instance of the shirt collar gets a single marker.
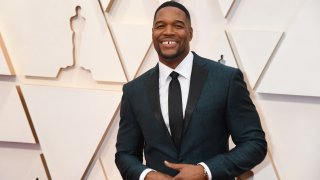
(184, 69)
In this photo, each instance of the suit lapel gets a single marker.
(198, 77)
(154, 99)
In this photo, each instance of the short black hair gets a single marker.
(173, 4)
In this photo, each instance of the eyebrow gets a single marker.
(176, 21)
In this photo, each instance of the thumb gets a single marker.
(173, 165)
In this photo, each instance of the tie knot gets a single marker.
(174, 75)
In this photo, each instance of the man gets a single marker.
(181, 112)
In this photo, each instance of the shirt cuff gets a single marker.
(207, 169)
(144, 173)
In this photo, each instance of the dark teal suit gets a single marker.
(218, 106)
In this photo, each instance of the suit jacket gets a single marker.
(218, 106)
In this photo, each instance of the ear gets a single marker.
(190, 33)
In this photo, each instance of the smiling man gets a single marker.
(171, 36)
(181, 112)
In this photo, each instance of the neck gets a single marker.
(174, 62)
(170, 63)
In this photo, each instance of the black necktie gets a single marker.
(175, 109)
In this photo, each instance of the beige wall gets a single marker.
(61, 77)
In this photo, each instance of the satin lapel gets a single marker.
(154, 99)
(198, 78)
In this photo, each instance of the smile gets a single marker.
(168, 42)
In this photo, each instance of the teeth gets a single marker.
(169, 42)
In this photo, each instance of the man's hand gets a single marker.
(187, 171)
(154, 175)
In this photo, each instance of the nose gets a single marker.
(168, 30)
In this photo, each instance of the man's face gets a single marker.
(171, 34)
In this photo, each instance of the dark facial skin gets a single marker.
(171, 35)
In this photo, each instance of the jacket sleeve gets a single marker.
(246, 132)
(130, 142)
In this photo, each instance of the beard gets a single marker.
(168, 57)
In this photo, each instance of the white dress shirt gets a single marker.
(184, 69)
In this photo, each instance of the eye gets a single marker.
(179, 26)
(159, 26)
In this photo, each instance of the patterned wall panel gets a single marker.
(97, 51)
(21, 163)
(14, 124)
(106, 4)
(97, 172)
(208, 31)
(254, 55)
(132, 53)
(6, 67)
(108, 150)
(223, 52)
(43, 48)
(226, 6)
(70, 125)
(150, 61)
(272, 15)
(293, 130)
(299, 54)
